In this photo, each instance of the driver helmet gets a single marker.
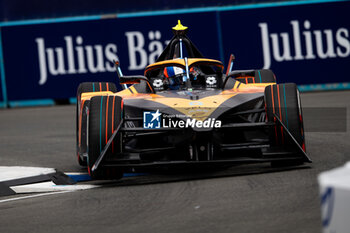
(174, 75)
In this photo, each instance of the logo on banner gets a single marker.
(328, 43)
(75, 57)
(81, 58)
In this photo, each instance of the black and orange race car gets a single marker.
(186, 111)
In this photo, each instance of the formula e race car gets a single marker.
(186, 111)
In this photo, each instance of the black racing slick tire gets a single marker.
(105, 115)
(283, 100)
(264, 76)
(81, 116)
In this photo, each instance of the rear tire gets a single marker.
(283, 100)
(81, 116)
(105, 115)
(258, 76)
(264, 76)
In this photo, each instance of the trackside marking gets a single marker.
(67, 187)
(134, 174)
(26, 103)
(33, 196)
(50, 187)
(17, 172)
(80, 177)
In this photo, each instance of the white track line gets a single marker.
(33, 196)
(50, 187)
(18, 172)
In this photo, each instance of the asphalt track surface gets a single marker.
(240, 199)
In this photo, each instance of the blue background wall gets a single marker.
(1, 94)
(242, 36)
(24, 9)
(217, 32)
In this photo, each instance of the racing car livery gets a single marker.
(186, 111)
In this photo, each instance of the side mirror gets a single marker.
(238, 73)
(135, 80)
(124, 80)
(132, 79)
(230, 64)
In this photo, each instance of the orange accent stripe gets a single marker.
(246, 79)
(273, 104)
(107, 120)
(166, 72)
(80, 119)
(107, 86)
(279, 107)
(149, 86)
(100, 86)
(273, 110)
(253, 79)
(113, 123)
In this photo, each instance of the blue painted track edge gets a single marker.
(86, 176)
(2, 74)
(73, 100)
(31, 103)
(324, 87)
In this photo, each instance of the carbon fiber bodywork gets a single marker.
(244, 136)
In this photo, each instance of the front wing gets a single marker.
(218, 153)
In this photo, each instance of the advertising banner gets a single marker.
(301, 43)
(304, 44)
(50, 60)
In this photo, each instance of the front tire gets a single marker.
(81, 114)
(283, 100)
(105, 115)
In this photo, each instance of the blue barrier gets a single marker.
(28, 103)
(306, 42)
